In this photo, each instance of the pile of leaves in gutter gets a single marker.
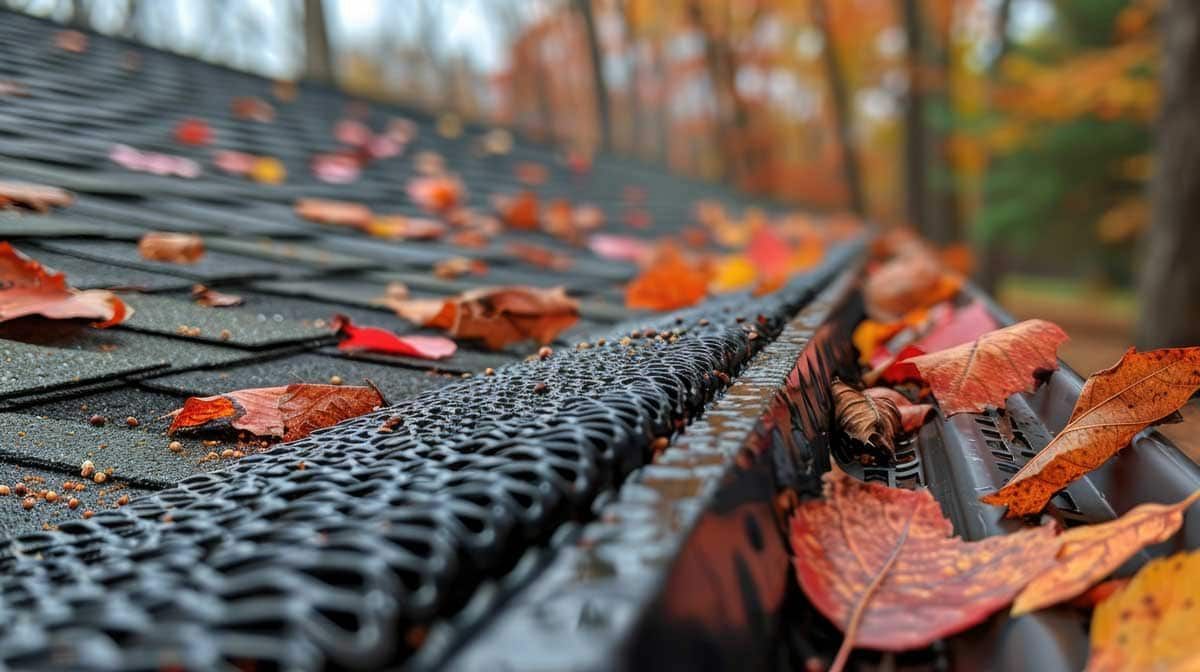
(883, 564)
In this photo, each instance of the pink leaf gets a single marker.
(374, 339)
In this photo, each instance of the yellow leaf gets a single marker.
(268, 170)
(733, 273)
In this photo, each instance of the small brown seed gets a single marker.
(100, 477)
(72, 503)
(489, 371)
(5, 491)
(545, 352)
(212, 455)
(225, 335)
(703, 322)
(238, 453)
(97, 420)
(131, 421)
(335, 380)
(51, 496)
(541, 388)
(28, 503)
(660, 444)
(175, 447)
(20, 489)
(87, 469)
(465, 374)
(123, 500)
(88, 513)
(302, 466)
(227, 453)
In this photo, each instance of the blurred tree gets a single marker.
(841, 106)
(1170, 283)
(318, 60)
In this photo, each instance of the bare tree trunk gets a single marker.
(318, 60)
(1170, 282)
(993, 258)
(915, 137)
(599, 85)
(841, 107)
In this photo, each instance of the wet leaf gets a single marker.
(339, 213)
(1151, 623)
(37, 197)
(498, 316)
(290, 412)
(973, 376)
(912, 416)
(669, 282)
(171, 248)
(1091, 552)
(871, 420)
(28, 288)
(375, 339)
(881, 563)
(211, 298)
(1114, 405)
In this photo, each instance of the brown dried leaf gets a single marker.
(873, 421)
(171, 248)
(37, 197)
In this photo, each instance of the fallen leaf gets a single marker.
(621, 248)
(234, 163)
(520, 211)
(436, 194)
(870, 336)
(456, 267)
(531, 173)
(71, 40)
(268, 170)
(542, 257)
(912, 416)
(336, 168)
(1151, 623)
(870, 420)
(1114, 405)
(769, 252)
(194, 132)
(907, 282)
(211, 298)
(732, 273)
(375, 339)
(985, 372)
(957, 326)
(352, 132)
(28, 288)
(498, 316)
(254, 109)
(291, 411)
(669, 282)
(881, 563)
(171, 248)
(1097, 594)
(153, 162)
(37, 197)
(339, 213)
(429, 163)
(1091, 552)
(399, 227)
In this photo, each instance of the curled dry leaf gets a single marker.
(171, 248)
(873, 421)
(498, 316)
(338, 213)
(399, 227)
(1091, 552)
(1151, 623)
(211, 298)
(973, 376)
(909, 281)
(669, 282)
(38, 197)
(1113, 406)
(436, 194)
(374, 339)
(456, 267)
(912, 416)
(290, 412)
(542, 257)
(28, 288)
(881, 563)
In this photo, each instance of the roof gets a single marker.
(309, 553)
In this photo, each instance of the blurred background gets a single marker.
(1016, 133)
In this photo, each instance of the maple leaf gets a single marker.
(498, 316)
(669, 282)
(339, 213)
(909, 281)
(970, 377)
(1091, 552)
(873, 421)
(375, 339)
(1114, 405)
(1151, 623)
(881, 563)
(28, 288)
(171, 248)
(37, 197)
(290, 411)
(912, 416)
(211, 298)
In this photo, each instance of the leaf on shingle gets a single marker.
(28, 288)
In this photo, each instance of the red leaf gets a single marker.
(375, 339)
(28, 288)
(307, 408)
(769, 252)
(193, 132)
(520, 211)
(669, 282)
(962, 325)
(970, 377)
(536, 255)
(339, 213)
(435, 194)
(882, 564)
(291, 411)
(912, 416)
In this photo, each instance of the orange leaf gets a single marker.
(882, 565)
(456, 267)
(307, 408)
(1114, 405)
(499, 316)
(670, 282)
(970, 377)
(520, 211)
(435, 194)
(1151, 623)
(200, 411)
(28, 288)
(211, 298)
(291, 411)
(908, 282)
(171, 248)
(399, 227)
(870, 335)
(38, 197)
(542, 257)
(339, 213)
(1091, 552)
